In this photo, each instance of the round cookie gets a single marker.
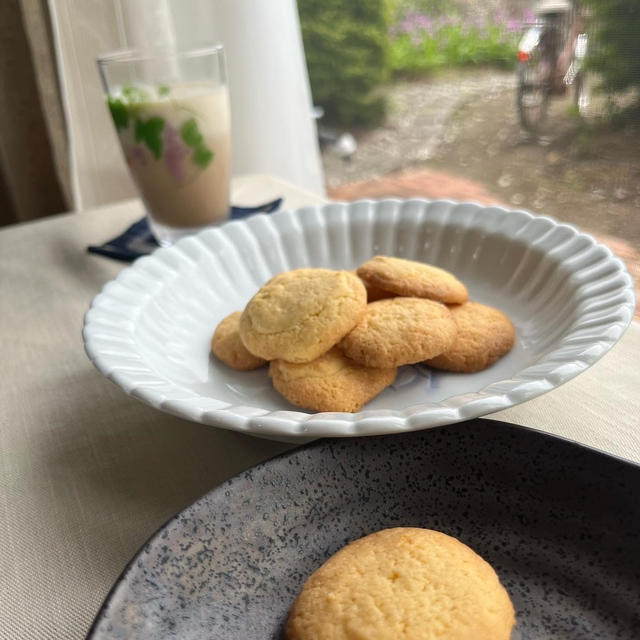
(299, 315)
(400, 331)
(374, 293)
(484, 335)
(410, 278)
(227, 346)
(330, 383)
(403, 584)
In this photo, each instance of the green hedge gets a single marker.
(615, 45)
(347, 49)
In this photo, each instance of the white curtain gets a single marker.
(272, 126)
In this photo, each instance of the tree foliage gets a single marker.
(347, 51)
(615, 43)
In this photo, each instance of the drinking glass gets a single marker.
(171, 113)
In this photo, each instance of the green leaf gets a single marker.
(150, 132)
(163, 90)
(191, 133)
(202, 155)
(134, 95)
(119, 112)
(139, 130)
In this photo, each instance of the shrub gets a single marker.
(613, 50)
(421, 44)
(347, 50)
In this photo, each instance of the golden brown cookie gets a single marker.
(330, 383)
(410, 278)
(299, 315)
(227, 346)
(374, 293)
(403, 584)
(400, 331)
(484, 335)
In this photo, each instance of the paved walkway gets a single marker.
(417, 123)
(428, 183)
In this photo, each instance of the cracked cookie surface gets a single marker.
(332, 382)
(411, 278)
(403, 584)
(484, 335)
(299, 315)
(399, 331)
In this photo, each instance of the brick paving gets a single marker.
(429, 183)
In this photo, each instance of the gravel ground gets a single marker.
(418, 121)
(465, 125)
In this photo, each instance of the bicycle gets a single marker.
(550, 60)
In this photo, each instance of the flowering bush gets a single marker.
(420, 44)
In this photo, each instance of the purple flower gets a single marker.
(174, 152)
(423, 22)
(414, 23)
(514, 25)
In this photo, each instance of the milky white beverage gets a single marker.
(176, 140)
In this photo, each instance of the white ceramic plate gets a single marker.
(570, 299)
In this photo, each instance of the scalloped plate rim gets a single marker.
(345, 424)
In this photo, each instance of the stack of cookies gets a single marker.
(334, 339)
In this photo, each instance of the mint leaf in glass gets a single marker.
(190, 133)
(150, 132)
(202, 155)
(119, 112)
(163, 91)
(135, 95)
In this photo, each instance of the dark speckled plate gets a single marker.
(560, 523)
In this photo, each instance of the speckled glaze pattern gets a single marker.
(560, 524)
(569, 298)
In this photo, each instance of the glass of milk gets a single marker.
(171, 113)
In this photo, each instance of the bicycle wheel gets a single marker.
(533, 92)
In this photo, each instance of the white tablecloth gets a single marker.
(87, 473)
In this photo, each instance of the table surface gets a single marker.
(87, 473)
